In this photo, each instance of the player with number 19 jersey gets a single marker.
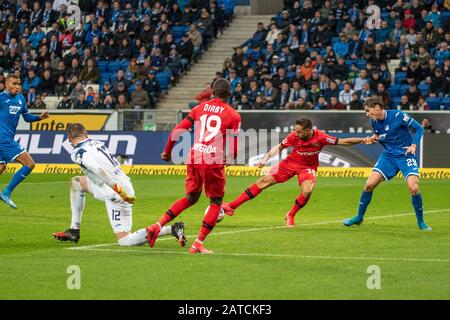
(212, 120)
(216, 125)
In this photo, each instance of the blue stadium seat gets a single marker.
(403, 89)
(163, 79)
(114, 66)
(395, 102)
(424, 88)
(434, 103)
(446, 103)
(399, 77)
(393, 91)
(179, 31)
(290, 75)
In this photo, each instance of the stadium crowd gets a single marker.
(333, 55)
(104, 54)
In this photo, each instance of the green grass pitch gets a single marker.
(256, 257)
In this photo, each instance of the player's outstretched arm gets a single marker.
(44, 115)
(90, 164)
(352, 141)
(176, 133)
(272, 153)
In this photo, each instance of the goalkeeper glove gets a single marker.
(121, 191)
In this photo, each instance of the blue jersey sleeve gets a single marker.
(411, 123)
(27, 116)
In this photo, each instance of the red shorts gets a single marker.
(286, 169)
(213, 179)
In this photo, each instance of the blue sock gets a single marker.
(418, 206)
(363, 203)
(18, 177)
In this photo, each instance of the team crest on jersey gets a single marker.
(316, 144)
(387, 128)
(14, 109)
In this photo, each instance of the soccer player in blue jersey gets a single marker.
(392, 131)
(12, 105)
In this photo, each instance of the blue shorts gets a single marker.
(389, 166)
(9, 151)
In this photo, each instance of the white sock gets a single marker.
(134, 239)
(76, 203)
(165, 231)
(139, 237)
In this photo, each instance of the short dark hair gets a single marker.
(12, 76)
(372, 102)
(75, 130)
(222, 88)
(305, 123)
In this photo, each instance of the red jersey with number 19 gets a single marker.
(306, 152)
(213, 120)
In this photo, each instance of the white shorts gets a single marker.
(119, 211)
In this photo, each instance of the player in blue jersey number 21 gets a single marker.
(391, 129)
(12, 105)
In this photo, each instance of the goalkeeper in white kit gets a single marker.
(105, 179)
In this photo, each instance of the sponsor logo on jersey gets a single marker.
(14, 109)
(202, 148)
(405, 118)
(307, 154)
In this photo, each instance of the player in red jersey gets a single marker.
(214, 120)
(301, 162)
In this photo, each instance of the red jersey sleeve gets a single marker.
(289, 141)
(326, 139)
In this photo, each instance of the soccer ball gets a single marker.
(221, 214)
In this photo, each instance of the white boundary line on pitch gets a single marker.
(275, 255)
(267, 228)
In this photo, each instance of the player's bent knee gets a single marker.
(193, 198)
(217, 201)
(75, 184)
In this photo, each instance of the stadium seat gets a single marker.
(393, 91)
(395, 102)
(164, 80)
(402, 90)
(399, 77)
(434, 103)
(114, 66)
(445, 102)
(424, 88)
(179, 31)
(51, 102)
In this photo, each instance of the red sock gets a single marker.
(209, 221)
(248, 194)
(176, 208)
(300, 202)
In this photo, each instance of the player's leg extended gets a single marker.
(416, 197)
(28, 166)
(372, 182)
(215, 181)
(208, 224)
(307, 187)
(2, 167)
(140, 237)
(253, 191)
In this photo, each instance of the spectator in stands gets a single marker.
(197, 41)
(345, 96)
(383, 94)
(122, 102)
(82, 103)
(139, 97)
(90, 72)
(356, 103)
(296, 93)
(439, 84)
(341, 48)
(202, 96)
(335, 104)
(270, 95)
(422, 104)
(340, 71)
(76, 92)
(415, 72)
(205, 25)
(151, 85)
(272, 34)
(283, 96)
(60, 86)
(413, 94)
(405, 104)
(186, 50)
(65, 102)
(426, 125)
(244, 104)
